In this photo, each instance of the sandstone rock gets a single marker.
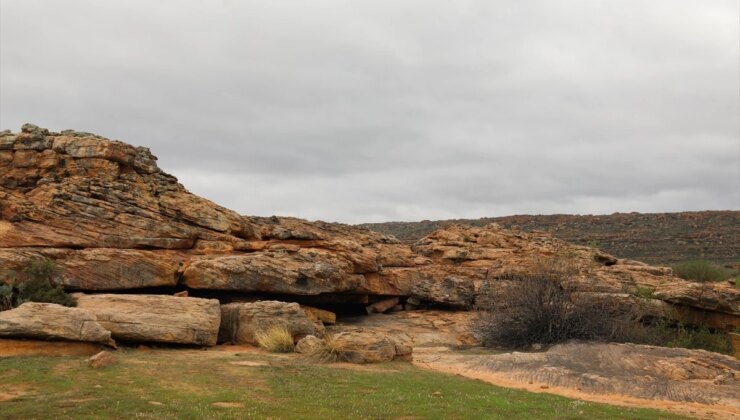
(118, 269)
(364, 346)
(102, 359)
(240, 321)
(308, 344)
(112, 220)
(638, 371)
(62, 190)
(712, 296)
(381, 306)
(155, 318)
(451, 290)
(306, 272)
(320, 315)
(50, 321)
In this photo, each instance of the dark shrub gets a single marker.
(6, 297)
(541, 308)
(36, 283)
(700, 270)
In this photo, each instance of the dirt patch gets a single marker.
(249, 363)
(227, 404)
(11, 392)
(11, 348)
(626, 375)
(361, 368)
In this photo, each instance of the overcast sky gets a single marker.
(363, 111)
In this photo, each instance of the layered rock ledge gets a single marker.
(114, 221)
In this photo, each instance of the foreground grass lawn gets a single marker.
(193, 384)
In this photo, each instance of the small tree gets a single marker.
(37, 283)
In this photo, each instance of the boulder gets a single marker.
(155, 318)
(102, 359)
(711, 296)
(308, 344)
(49, 321)
(451, 291)
(242, 320)
(366, 346)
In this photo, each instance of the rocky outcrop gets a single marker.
(50, 321)
(155, 318)
(112, 220)
(653, 238)
(241, 321)
(639, 371)
(74, 189)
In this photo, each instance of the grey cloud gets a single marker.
(371, 110)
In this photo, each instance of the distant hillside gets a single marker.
(653, 238)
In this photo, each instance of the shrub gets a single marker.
(645, 292)
(670, 334)
(276, 339)
(36, 283)
(700, 270)
(6, 297)
(539, 308)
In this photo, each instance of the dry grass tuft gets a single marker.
(276, 339)
(329, 351)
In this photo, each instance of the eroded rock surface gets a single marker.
(645, 372)
(50, 321)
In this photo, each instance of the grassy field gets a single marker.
(195, 384)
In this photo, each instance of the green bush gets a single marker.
(37, 283)
(666, 334)
(700, 270)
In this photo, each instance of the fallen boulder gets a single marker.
(242, 320)
(156, 318)
(361, 346)
(49, 321)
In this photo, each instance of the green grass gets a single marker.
(188, 382)
(701, 270)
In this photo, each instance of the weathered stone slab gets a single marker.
(156, 318)
(49, 321)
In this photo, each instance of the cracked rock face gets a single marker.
(112, 220)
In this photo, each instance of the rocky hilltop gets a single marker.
(113, 221)
(656, 238)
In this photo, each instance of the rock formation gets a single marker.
(50, 321)
(150, 318)
(113, 221)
